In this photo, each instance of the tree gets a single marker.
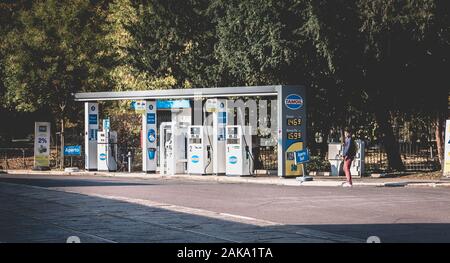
(122, 14)
(55, 50)
(374, 46)
(266, 43)
(174, 38)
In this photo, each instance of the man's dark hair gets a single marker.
(347, 129)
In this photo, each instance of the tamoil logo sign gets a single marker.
(102, 156)
(293, 101)
(232, 159)
(195, 159)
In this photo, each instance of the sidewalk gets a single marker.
(326, 181)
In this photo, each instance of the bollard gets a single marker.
(129, 162)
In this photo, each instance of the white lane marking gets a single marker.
(206, 213)
(182, 209)
(230, 217)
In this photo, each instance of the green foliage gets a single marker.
(173, 38)
(259, 42)
(56, 49)
(318, 164)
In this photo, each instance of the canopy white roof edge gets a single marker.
(179, 93)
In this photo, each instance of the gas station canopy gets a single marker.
(180, 93)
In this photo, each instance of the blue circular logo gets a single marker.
(151, 135)
(92, 108)
(150, 107)
(232, 159)
(102, 156)
(195, 159)
(293, 101)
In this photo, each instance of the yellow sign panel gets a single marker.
(291, 168)
(41, 160)
(140, 106)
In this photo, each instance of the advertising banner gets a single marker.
(447, 149)
(41, 144)
(91, 127)
(139, 106)
(148, 137)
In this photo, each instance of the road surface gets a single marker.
(37, 208)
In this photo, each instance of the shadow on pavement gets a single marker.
(65, 182)
(39, 215)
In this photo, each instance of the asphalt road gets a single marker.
(321, 213)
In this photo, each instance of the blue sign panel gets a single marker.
(172, 104)
(133, 105)
(106, 125)
(72, 150)
(92, 118)
(151, 119)
(222, 117)
(151, 135)
(302, 156)
(92, 134)
(151, 153)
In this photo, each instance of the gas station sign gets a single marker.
(41, 144)
(447, 149)
(91, 126)
(292, 130)
(302, 156)
(149, 136)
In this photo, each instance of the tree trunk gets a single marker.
(439, 135)
(378, 93)
(390, 143)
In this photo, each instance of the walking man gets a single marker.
(349, 153)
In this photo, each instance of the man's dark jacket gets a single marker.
(349, 148)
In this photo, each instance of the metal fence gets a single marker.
(22, 158)
(265, 158)
(415, 156)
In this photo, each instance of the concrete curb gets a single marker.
(238, 180)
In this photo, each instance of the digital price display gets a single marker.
(294, 135)
(294, 121)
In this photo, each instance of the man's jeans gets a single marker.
(347, 164)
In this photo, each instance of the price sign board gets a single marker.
(41, 144)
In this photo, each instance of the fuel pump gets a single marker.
(357, 166)
(336, 160)
(238, 151)
(199, 151)
(107, 150)
(172, 148)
